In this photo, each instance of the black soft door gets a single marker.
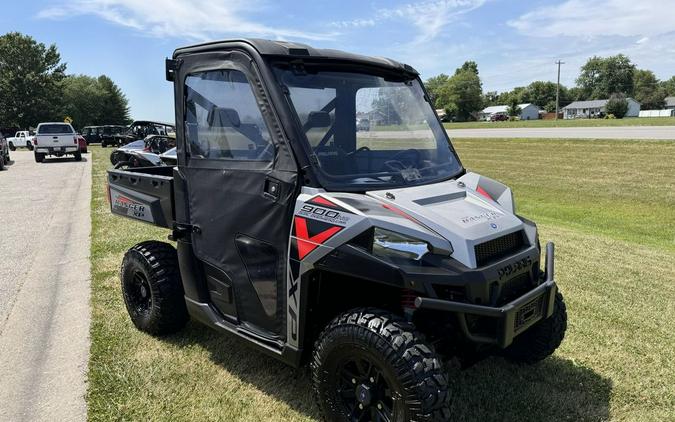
(241, 182)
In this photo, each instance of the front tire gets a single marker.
(12, 147)
(152, 288)
(369, 364)
(542, 339)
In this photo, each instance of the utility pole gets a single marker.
(557, 90)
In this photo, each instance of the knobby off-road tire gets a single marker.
(368, 364)
(540, 340)
(152, 288)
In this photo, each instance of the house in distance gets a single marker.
(592, 109)
(527, 112)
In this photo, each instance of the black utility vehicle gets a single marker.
(140, 129)
(92, 134)
(371, 255)
(108, 134)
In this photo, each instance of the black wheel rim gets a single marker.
(364, 390)
(139, 294)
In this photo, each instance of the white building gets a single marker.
(670, 103)
(593, 108)
(527, 111)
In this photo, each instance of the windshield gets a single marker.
(366, 132)
(135, 145)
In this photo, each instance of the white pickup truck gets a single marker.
(21, 139)
(55, 139)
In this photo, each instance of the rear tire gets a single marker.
(12, 147)
(39, 157)
(103, 145)
(369, 364)
(152, 288)
(78, 156)
(2, 163)
(542, 339)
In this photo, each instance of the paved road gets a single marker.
(614, 132)
(44, 289)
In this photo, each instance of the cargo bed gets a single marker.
(144, 194)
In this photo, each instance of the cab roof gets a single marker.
(295, 51)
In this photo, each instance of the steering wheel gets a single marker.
(399, 161)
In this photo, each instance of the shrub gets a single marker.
(617, 105)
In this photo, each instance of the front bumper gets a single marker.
(513, 318)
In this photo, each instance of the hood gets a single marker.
(467, 212)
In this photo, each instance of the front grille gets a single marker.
(500, 247)
(514, 288)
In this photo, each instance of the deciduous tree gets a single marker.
(602, 76)
(30, 76)
(647, 90)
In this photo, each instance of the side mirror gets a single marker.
(318, 119)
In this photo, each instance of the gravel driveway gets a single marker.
(45, 226)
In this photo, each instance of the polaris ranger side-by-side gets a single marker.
(371, 255)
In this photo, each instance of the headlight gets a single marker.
(394, 245)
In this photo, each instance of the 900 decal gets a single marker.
(323, 214)
(515, 267)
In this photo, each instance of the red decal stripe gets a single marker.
(307, 244)
(322, 201)
(483, 192)
(399, 212)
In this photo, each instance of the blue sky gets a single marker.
(513, 42)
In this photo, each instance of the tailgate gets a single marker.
(60, 140)
(143, 194)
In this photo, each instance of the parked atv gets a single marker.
(370, 255)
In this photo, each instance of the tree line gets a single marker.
(34, 88)
(461, 94)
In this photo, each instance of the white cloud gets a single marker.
(582, 18)
(197, 19)
(430, 17)
(355, 23)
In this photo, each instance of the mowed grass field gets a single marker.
(608, 205)
(627, 121)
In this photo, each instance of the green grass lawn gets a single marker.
(628, 121)
(608, 205)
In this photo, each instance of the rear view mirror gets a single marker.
(318, 119)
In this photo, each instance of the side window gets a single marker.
(310, 104)
(222, 118)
